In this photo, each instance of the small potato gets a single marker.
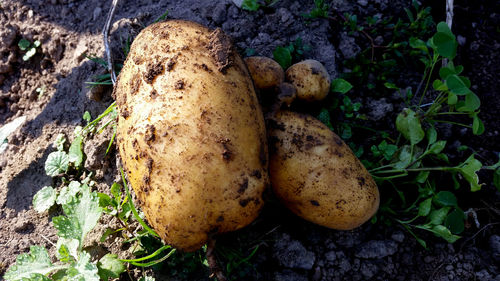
(315, 174)
(310, 78)
(287, 93)
(266, 73)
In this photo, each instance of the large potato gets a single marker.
(315, 174)
(191, 133)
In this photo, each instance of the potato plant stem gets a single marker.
(215, 270)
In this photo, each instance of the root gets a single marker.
(215, 270)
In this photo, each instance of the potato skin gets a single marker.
(316, 175)
(310, 78)
(191, 134)
(266, 73)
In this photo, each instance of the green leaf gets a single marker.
(283, 56)
(416, 43)
(31, 52)
(452, 98)
(37, 44)
(424, 208)
(389, 85)
(86, 116)
(57, 163)
(477, 125)
(422, 176)
(437, 216)
(116, 190)
(66, 253)
(68, 192)
(75, 153)
(340, 86)
(37, 261)
(455, 221)
(23, 44)
(110, 266)
(83, 270)
(444, 233)
(444, 41)
(409, 126)
(44, 199)
(324, 117)
(59, 142)
(405, 158)
(437, 147)
(82, 214)
(469, 171)
(250, 5)
(438, 85)
(445, 198)
(472, 103)
(431, 135)
(457, 85)
(496, 179)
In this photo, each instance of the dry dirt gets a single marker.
(295, 250)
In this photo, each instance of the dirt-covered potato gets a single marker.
(315, 174)
(191, 134)
(266, 73)
(310, 78)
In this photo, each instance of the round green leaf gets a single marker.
(445, 198)
(455, 221)
(57, 163)
(44, 199)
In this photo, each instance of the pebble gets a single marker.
(377, 249)
(292, 254)
(494, 243)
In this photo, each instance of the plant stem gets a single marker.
(212, 261)
(416, 170)
(428, 81)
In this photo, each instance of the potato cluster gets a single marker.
(193, 139)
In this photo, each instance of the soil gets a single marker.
(49, 90)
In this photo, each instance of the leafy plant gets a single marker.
(320, 10)
(292, 53)
(254, 5)
(408, 164)
(29, 47)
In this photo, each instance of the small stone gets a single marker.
(348, 46)
(380, 108)
(363, 2)
(368, 270)
(292, 254)
(330, 256)
(289, 275)
(377, 249)
(398, 236)
(449, 267)
(461, 40)
(219, 13)
(30, 14)
(494, 242)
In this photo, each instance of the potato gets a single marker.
(191, 134)
(315, 174)
(310, 78)
(266, 73)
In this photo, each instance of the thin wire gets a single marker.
(105, 34)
